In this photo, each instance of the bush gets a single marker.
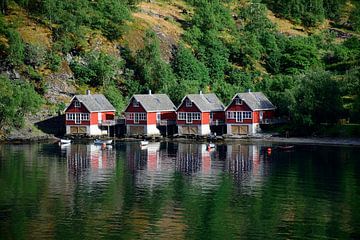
(16, 100)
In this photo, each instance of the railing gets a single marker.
(107, 123)
(165, 122)
(217, 122)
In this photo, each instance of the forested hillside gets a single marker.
(304, 55)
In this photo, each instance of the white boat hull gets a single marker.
(100, 142)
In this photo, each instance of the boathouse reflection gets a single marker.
(93, 158)
(247, 163)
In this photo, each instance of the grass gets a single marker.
(30, 30)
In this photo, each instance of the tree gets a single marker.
(318, 99)
(153, 73)
(187, 67)
(16, 100)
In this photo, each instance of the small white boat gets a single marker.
(100, 142)
(144, 143)
(211, 145)
(65, 141)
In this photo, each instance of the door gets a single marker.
(189, 130)
(134, 130)
(77, 118)
(238, 117)
(239, 129)
(136, 118)
(188, 117)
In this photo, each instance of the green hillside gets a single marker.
(304, 55)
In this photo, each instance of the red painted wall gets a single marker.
(94, 118)
(236, 108)
(73, 109)
(205, 118)
(184, 108)
(244, 107)
(168, 115)
(93, 115)
(131, 108)
(151, 118)
(219, 116)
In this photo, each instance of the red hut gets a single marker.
(247, 111)
(197, 112)
(89, 114)
(147, 113)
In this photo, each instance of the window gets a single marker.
(238, 101)
(129, 116)
(246, 115)
(158, 117)
(211, 115)
(84, 116)
(188, 103)
(142, 116)
(70, 116)
(231, 115)
(181, 116)
(77, 104)
(135, 103)
(196, 116)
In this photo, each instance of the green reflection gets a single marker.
(178, 191)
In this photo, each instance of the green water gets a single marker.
(178, 191)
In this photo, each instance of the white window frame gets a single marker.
(238, 116)
(84, 117)
(238, 101)
(77, 118)
(130, 116)
(182, 116)
(247, 115)
(135, 103)
(70, 116)
(142, 116)
(77, 104)
(188, 103)
(158, 117)
(189, 118)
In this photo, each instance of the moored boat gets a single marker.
(285, 147)
(100, 141)
(210, 145)
(65, 141)
(144, 143)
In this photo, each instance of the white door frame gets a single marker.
(136, 118)
(77, 118)
(238, 116)
(189, 117)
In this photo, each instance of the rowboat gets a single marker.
(144, 143)
(100, 142)
(285, 147)
(65, 141)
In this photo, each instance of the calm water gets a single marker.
(178, 191)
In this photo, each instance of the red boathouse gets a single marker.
(197, 112)
(146, 114)
(246, 112)
(89, 114)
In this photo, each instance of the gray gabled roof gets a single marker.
(155, 102)
(256, 100)
(95, 102)
(206, 102)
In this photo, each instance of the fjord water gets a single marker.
(180, 191)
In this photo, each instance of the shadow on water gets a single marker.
(178, 190)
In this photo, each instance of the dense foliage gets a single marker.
(16, 100)
(227, 47)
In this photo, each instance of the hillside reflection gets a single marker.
(172, 190)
